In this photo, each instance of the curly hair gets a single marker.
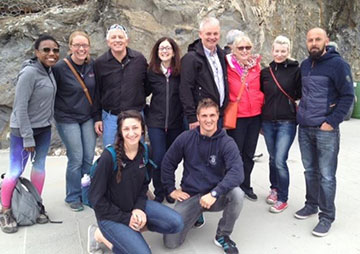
(119, 143)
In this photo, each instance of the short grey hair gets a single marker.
(208, 21)
(231, 35)
(116, 27)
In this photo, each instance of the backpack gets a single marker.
(111, 149)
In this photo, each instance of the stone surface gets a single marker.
(22, 21)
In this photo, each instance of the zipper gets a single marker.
(167, 102)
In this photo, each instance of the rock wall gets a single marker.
(22, 21)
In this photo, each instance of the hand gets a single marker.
(30, 149)
(137, 220)
(326, 127)
(193, 125)
(99, 128)
(207, 201)
(179, 195)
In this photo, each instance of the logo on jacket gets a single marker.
(212, 160)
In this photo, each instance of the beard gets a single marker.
(315, 55)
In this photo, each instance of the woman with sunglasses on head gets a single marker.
(73, 109)
(30, 124)
(243, 69)
(281, 84)
(164, 118)
(118, 194)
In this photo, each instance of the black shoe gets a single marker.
(250, 195)
(226, 243)
(170, 200)
(200, 221)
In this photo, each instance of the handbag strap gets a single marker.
(279, 86)
(241, 89)
(86, 91)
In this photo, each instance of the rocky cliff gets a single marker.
(23, 20)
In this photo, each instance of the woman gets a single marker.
(73, 114)
(279, 118)
(119, 196)
(30, 124)
(244, 76)
(164, 118)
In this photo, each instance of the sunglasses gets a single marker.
(47, 50)
(241, 48)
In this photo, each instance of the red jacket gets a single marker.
(252, 98)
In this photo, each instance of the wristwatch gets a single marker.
(213, 194)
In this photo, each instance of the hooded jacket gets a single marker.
(34, 100)
(197, 80)
(277, 106)
(327, 90)
(210, 163)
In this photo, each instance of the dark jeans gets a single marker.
(246, 135)
(279, 136)
(125, 240)
(160, 142)
(319, 150)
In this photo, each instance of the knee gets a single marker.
(236, 194)
(177, 224)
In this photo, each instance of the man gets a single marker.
(327, 91)
(230, 37)
(212, 174)
(203, 71)
(120, 77)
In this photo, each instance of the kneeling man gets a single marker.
(213, 171)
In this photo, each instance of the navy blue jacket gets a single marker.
(210, 163)
(327, 90)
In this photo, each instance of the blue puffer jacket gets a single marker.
(327, 90)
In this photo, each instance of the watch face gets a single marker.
(213, 193)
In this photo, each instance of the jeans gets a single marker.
(246, 135)
(160, 141)
(110, 128)
(79, 140)
(18, 160)
(279, 136)
(319, 150)
(190, 210)
(125, 240)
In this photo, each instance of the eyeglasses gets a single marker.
(241, 48)
(84, 46)
(168, 48)
(47, 50)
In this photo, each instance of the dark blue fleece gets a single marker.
(327, 90)
(210, 163)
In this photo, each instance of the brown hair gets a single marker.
(81, 33)
(119, 143)
(206, 103)
(155, 61)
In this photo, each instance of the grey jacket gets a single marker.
(34, 100)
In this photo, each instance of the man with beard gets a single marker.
(327, 93)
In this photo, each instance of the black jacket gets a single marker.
(71, 104)
(120, 86)
(197, 80)
(277, 106)
(165, 106)
(115, 201)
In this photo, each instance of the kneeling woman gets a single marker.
(119, 196)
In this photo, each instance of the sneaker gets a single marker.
(226, 243)
(322, 228)
(200, 221)
(92, 245)
(305, 212)
(278, 207)
(8, 223)
(250, 195)
(272, 198)
(76, 206)
(42, 219)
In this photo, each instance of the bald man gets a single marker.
(327, 94)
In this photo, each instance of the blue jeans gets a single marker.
(125, 240)
(279, 136)
(110, 128)
(79, 140)
(319, 151)
(160, 141)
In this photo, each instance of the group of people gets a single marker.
(106, 97)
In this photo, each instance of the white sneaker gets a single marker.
(92, 245)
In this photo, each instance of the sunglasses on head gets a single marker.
(47, 50)
(241, 48)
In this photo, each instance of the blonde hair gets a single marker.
(240, 38)
(81, 33)
(282, 40)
